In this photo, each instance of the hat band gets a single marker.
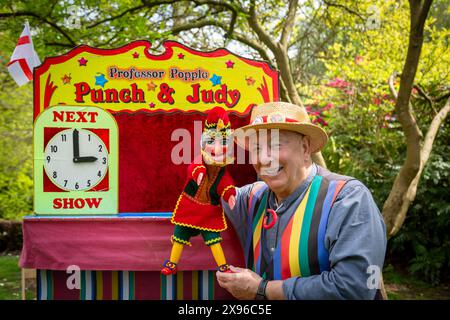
(273, 118)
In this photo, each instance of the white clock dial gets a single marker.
(75, 168)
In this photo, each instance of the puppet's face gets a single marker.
(215, 148)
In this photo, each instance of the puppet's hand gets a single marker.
(232, 202)
(199, 178)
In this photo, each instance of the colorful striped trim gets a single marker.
(44, 285)
(92, 288)
(172, 286)
(257, 229)
(121, 285)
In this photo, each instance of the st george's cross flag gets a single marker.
(23, 59)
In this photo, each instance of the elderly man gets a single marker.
(307, 233)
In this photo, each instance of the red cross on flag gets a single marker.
(23, 59)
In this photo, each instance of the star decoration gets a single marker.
(100, 80)
(82, 61)
(135, 55)
(151, 86)
(66, 79)
(151, 105)
(180, 56)
(215, 80)
(250, 81)
(230, 64)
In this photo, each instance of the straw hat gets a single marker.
(283, 116)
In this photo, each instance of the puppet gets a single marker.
(198, 209)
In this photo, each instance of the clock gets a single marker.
(76, 159)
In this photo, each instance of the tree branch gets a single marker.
(289, 23)
(337, 5)
(262, 35)
(35, 15)
(391, 84)
(130, 10)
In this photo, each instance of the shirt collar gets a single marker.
(294, 195)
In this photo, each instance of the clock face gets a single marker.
(76, 159)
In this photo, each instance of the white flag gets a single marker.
(24, 58)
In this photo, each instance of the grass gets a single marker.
(9, 278)
(399, 285)
(402, 286)
(10, 284)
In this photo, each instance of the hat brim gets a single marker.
(318, 137)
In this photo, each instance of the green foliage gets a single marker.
(16, 123)
(424, 239)
(366, 140)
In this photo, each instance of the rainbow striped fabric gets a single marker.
(201, 286)
(130, 285)
(301, 251)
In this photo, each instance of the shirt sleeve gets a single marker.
(356, 242)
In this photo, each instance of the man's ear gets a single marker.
(306, 144)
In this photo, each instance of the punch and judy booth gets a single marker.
(114, 131)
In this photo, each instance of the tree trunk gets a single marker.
(402, 194)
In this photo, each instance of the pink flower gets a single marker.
(338, 83)
(359, 60)
(328, 106)
(376, 101)
(349, 92)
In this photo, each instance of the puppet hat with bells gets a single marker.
(282, 116)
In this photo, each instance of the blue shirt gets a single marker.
(355, 239)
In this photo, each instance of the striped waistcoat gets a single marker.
(301, 249)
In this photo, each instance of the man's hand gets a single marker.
(232, 202)
(242, 283)
(199, 178)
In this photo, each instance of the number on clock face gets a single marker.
(76, 159)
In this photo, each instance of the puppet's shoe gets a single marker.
(225, 268)
(169, 268)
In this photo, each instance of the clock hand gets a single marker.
(85, 159)
(76, 146)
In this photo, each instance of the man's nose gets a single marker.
(264, 157)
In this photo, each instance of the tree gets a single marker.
(369, 108)
(404, 189)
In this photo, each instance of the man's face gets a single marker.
(279, 159)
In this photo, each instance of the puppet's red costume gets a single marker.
(198, 209)
(199, 206)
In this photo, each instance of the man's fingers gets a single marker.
(236, 269)
(225, 277)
